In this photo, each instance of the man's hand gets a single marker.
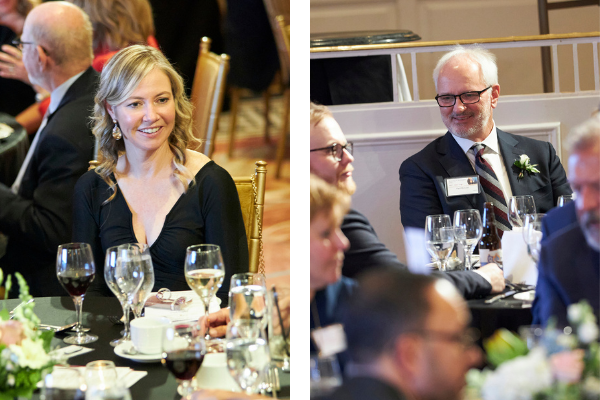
(217, 322)
(494, 275)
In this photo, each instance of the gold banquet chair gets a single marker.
(208, 91)
(251, 191)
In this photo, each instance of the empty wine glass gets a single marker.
(204, 272)
(247, 352)
(247, 297)
(76, 270)
(183, 353)
(439, 236)
(124, 275)
(101, 374)
(467, 230)
(532, 234)
(565, 199)
(145, 290)
(518, 207)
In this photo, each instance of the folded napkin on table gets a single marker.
(517, 264)
(192, 312)
(63, 380)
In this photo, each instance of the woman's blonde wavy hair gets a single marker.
(120, 77)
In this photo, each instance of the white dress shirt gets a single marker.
(492, 155)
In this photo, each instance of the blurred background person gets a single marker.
(569, 266)
(149, 187)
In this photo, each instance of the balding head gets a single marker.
(64, 32)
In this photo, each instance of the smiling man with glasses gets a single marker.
(466, 81)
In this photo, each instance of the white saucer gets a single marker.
(141, 358)
(525, 296)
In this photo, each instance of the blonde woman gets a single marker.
(149, 188)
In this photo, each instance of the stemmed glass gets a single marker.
(204, 272)
(76, 270)
(247, 297)
(467, 230)
(518, 207)
(183, 352)
(565, 199)
(145, 290)
(532, 234)
(124, 275)
(247, 353)
(439, 236)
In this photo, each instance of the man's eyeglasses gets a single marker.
(337, 150)
(448, 100)
(18, 43)
(467, 338)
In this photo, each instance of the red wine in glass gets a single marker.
(76, 284)
(183, 364)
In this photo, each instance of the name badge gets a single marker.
(330, 340)
(462, 186)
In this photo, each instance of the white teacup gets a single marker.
(147, 334)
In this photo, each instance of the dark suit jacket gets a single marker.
(558, 218)
(38, 218)
(364, 388)
(367, 252)
(422, 191)
(569, 271)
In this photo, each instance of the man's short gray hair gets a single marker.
(485, 58)
(584, 136)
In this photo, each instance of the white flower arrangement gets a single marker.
(523, 163)
(23, 349)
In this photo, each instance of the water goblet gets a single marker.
(76, 270)
(124, 275)
(565, 199)
(247, 297)
(439, 237)
(145, 290)
(247, 352)
(204, 272)
(183, 351)
(467, 230)
(518, 207)
(101, 374)
(532, 234)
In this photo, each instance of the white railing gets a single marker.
(413, 48)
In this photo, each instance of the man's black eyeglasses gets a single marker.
(467, 338)
(18, 43)
(448, 100)
(337, 150)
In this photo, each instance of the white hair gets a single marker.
(584, 136)
(485, 58)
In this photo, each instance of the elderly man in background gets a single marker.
(569, 266)
(408, 338)
(466, 81)
(331, 159)
(35, 213)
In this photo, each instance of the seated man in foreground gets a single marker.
(408, 338)
(331, 159)
(569, 266)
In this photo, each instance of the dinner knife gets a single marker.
(500, 296)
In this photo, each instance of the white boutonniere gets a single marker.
(523, 164)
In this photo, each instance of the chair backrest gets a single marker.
(251, 191)
(279, 17)
(207, 94)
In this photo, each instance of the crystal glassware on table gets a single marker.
(278, 303)
(124, 276)
(532, 234)
(247, 352)
(183, 351)
(247, 297)
(145, 290)
(564, 200)
(439, 238)
(467, 231)
(76, 270)
(518, 207)
(204, 272)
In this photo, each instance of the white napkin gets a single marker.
(518, 265)
(69, 351)
(191, 313)
(5, 130)
(63, 380)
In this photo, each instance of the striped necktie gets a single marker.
(491, 188)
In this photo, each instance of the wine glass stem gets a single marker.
(78, 301)
(468, 257)
(443, 265)
(206, 306)
(186, 389)
(127, 332)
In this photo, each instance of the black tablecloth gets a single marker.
(508, 313)
(13, 150)
(158, 384)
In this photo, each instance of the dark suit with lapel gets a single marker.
(38, 218)
(422, 190)
(365, 388)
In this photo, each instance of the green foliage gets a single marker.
(503, 346)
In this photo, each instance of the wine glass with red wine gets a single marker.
(183, 352)
(75, 270)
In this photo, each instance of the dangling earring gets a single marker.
(116, 132)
